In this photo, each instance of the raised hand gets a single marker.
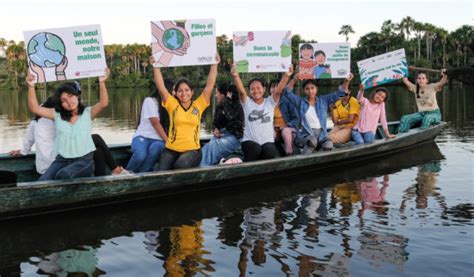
(290, 71)
(39, 71)
(233, 71)
(106, 75)
(30, 80)
(350, 77)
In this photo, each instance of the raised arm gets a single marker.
(33, 101)
(283, 82)
(103, 97)
(238, 84)
(159, 82)
(211, 80)
(407, 82)
(443, 81)
(291, 84)
(411, 87)
(360, 94)
(347, 81)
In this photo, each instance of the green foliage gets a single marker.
(425, 44)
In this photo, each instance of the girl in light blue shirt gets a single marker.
(73, 122)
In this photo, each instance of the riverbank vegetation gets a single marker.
(426, 45)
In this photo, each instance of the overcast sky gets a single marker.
(127, 21)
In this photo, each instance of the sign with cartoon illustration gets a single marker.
(324, 60)
(65, 53)
(183, 42)
(383, 68)
(262, 51)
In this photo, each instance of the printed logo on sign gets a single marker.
(342, 72)
(77, 73)
(259, 115)
(205, 59)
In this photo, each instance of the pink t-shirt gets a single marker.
(370, 115)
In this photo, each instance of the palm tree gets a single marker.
(463, 38)
(443, 38)
(418, 27)
(387, 33)
(16, 61)
(346, 30)
(406, 26)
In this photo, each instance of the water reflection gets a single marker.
(425, 187)
(71, 262)
(338, 225)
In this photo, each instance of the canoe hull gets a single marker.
(40, 197)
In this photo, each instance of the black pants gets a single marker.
(254, 151)
(7, 178)
(176, 160)
(102, 156)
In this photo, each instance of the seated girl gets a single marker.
(428, 110)
(183, 148)
(258, 141)
(73, 121)
(228, 126)
(149, 139)
(372, 112)
(345, 115)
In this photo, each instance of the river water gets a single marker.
(410, 214)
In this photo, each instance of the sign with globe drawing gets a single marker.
(183, 42)
(65, 53)
(262, 51)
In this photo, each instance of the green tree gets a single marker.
(346, 30)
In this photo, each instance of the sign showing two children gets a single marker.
(324, 60)
(383, 68)
(65, 53)
(183, 42)
(262, 51)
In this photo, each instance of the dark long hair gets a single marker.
(71, 88)
(49, 103)
(164, 117)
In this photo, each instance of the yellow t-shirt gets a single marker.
(184, 130)
(342, 112)
(278, 120)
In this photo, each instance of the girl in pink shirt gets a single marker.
(371, 113)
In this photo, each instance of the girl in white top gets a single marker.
(258, 141)
(41, 132)
(149, 140)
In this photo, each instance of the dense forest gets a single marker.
(426, 45)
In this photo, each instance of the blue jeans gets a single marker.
(361, 138)
(146, 152)
(63, 168)
(219, 148)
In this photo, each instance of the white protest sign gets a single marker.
(383, 68)
(324, 60)
(65, 53)
(183, 42)
(262, 51)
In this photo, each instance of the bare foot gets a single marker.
(117, 170)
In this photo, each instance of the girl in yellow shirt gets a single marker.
(182, 148)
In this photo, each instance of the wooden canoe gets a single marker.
(29, 198)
